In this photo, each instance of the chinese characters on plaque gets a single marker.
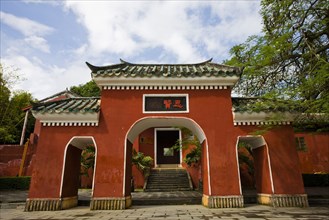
(165, 104)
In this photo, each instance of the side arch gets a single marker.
(262, 160)
(72, 154)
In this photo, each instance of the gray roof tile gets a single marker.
(127, 69)
(70, 105)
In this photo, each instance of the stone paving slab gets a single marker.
(179, 212)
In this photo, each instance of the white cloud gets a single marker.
(24, 25)
(38, 43)
(177, 31)
(32, 30)
(179, 28)
(44, 80)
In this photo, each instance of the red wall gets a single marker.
(11, 158)
(316, 158)
(71, 172)
(211, 109)
(10, 152)
(262, 171)
(120, 109)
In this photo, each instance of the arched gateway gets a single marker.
(162, 97)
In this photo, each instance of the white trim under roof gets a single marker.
(262, 118)
(203, 82)
(68, 119)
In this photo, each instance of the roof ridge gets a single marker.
(57, 94)
(162, 64)
(123, 62)
(90, 97)
(62, 100)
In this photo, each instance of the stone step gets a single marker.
(169, 182)
(168, 201)
(167, 190)
(169, 179)
(168, 175)
(168, 186)
(163, 180)
(167, 198)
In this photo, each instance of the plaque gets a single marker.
(165, 103)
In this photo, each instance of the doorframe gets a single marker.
(155, 144)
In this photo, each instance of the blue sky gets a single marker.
(49, 41)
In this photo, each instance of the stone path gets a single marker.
(173, 212)
(12, 207)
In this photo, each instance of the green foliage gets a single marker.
(14, 183)
(90, 89)
(245, 156)
(11, 113)
(189, 140)
(87, 160)
(290, 59)
(142, 162)
(193, 157)
(312, 122)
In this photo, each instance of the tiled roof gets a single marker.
(70, 105)
(260, 105)
(127, 69)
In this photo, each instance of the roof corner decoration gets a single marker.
(254, 111)
(68, 112)
(202, 75)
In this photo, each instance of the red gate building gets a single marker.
(162, 97)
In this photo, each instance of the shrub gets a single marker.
(15, 183)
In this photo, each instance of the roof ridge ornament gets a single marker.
(125, 62)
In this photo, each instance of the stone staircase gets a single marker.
(168, 180)
(168, 186)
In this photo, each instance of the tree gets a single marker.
(290, 59)
(11, 105)
(89, 89)
(87, 160)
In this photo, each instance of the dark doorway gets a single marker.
(165, 139)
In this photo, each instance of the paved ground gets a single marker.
(12, 207)
(173, 212)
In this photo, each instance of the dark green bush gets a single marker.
(316, 179)
(14, 183)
